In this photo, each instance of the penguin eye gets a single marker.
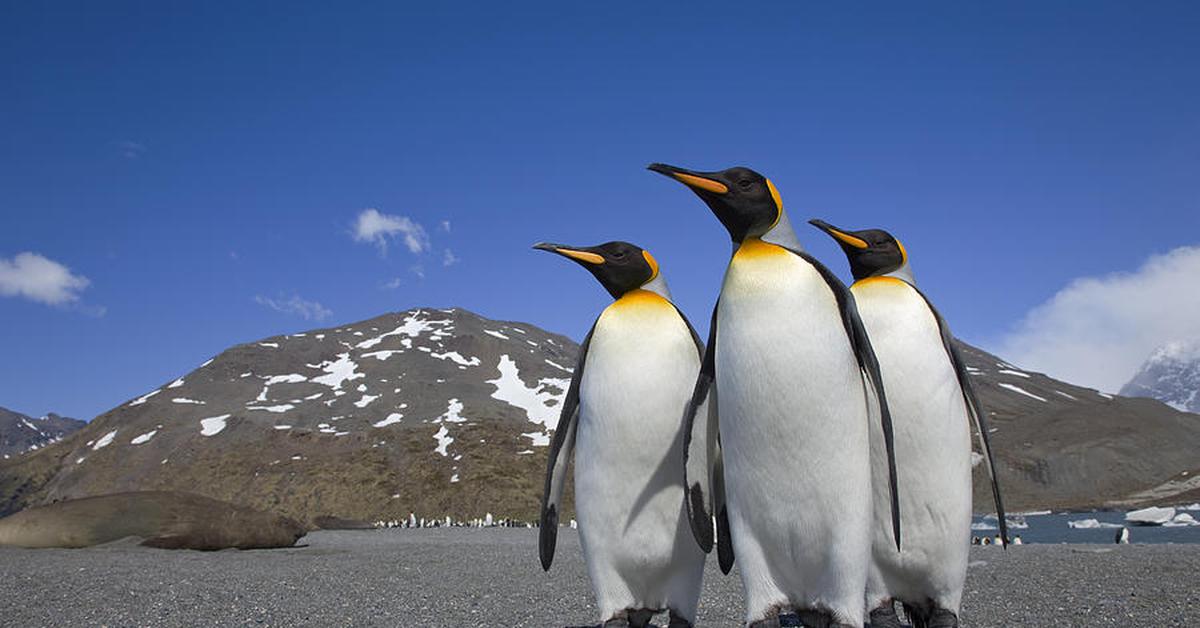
(618, 254)
(745, 184)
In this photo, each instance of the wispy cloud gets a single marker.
(391, 284)
(445, 226)
(449, 258)
(308, 310)
(377, 228)
(38, 278)
(130, 149)
(418, 270)
(1097, 330)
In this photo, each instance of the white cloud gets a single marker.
(449, 258)
(418, 270)
(308, 310)
(130, 149)
(1098, 330)
(445, 225)
(40, 279)
(391, 284)
(376, 227)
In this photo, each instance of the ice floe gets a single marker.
(1152, 516)
(1091, 524)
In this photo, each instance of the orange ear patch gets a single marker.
(653, 264)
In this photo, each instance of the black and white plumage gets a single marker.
(622, 421)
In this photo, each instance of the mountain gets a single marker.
(1171, 375)
(444, 412)
(20, 433)
(1063, 446)
(438, 412)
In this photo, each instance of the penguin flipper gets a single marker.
(725, 556)
(700, 446)
(868, 363)
(975, 409)
(561, 449)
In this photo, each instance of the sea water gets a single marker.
(1054, 528)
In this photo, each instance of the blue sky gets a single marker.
(203, 167)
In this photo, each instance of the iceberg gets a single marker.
(1181, 520)
(982, 525)
(1152, 516)
(1091, 524)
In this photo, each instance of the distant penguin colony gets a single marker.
(821, 437)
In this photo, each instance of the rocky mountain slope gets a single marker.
(443, 412)
(439, 412)
(1171, 375)
(20, 433)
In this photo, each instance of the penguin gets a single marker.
(622, 419)
(787, 366)
(1016, 540)
(934, 410)
(1122, 537)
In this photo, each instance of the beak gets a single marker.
(844, 237)
(579, 254)
(696, 180)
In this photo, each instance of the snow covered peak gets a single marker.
(1172, 375)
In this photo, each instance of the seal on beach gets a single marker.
(790, 364)
(164, 519)
(623, 418)
(934, 410)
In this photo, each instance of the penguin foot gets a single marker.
(942, 618)
(931, 617)
(769, 622)
(885, 617)
(677, 621)
(633, 618)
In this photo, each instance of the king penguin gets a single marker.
(789, 364)
(934, 410)
(623, 418)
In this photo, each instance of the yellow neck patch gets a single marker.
(639, 299)
(653, 265)
(756, 248)
(866, 281)
(778, 204)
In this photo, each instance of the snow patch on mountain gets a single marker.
(541, 403)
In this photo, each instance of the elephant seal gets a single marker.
(163, 519)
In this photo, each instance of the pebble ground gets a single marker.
(491, 577)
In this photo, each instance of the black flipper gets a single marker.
(560, 454)
(868, 363)
(975, 409)
(704, 485)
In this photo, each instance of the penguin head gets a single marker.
(619, 266)
(746, 202)
(872, 252)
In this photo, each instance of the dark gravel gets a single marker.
(491, 577)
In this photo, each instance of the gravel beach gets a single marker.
(491, 577)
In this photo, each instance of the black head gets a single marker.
(746, 202)
(618, 266)
(871, 252)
